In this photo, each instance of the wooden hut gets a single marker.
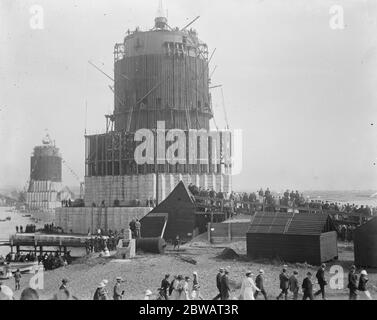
(181, 218)
(300, 237)
(365, 244)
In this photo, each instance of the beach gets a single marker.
(146, 272)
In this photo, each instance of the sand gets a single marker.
(146, 272)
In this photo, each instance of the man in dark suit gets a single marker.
(63, 286)
(218, 283)
(307, 287)
(260, 285)
(117, 292)
(284, 282)
(321, 281)
(224, 286)
(165, 285)
(293, 284)
(352, 283)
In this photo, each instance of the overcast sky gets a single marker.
(303, 94)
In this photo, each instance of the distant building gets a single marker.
(45, 190)
(292, 237)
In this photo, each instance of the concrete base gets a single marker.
(85, 220)
(127, 189)
(126, 249)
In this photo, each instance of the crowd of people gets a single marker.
(103, 242)
(181, 287)
(67, 203)
(268, 201)
(55, 260)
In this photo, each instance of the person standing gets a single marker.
(186, 289)
(248, 287)
(117, 292)
(195, 292)
(17, 279)
(173, 285)
(63, 286)
(165, 285)
(259, 282)
(101, 292)
(321, 281)
(363, 284)
(218, 283)
(138, 228)
(293, 284)
(179, 286)
(352, 283)
(307, 287)
(283, 278)
(224, 286)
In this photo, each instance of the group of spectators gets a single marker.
(53, 261)
(267, 201)
(67, 203)
(187, 288)
(103, 241)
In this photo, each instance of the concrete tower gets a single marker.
(160, 76)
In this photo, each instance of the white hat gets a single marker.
(105, 282)
(364, 273)
(101, 285)
(148, 292)
(195, 273)
(7, 292)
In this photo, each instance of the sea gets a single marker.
(8, 227)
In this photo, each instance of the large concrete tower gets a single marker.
(160, 76)
(45, 177)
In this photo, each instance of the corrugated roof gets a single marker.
(291, 223)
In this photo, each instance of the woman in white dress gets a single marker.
(248, 287)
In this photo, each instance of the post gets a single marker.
(229, 232)
(209, 225)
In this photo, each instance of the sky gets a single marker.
(303, 93)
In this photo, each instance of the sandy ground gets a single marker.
(146, 272)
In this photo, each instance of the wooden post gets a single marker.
(229, 232)
(209, 226)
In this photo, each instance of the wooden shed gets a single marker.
(292, 237)
(180, 209)
(365, 244)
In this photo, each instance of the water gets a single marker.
(9, 227)
(365, 198)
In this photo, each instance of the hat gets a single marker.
(7, 292)
(221, 269)
(261, 271)
(195, 273)
(119, 279)
(101, 285)
(105, 282)
(364, 273)
(249, 273)
(148, 292)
